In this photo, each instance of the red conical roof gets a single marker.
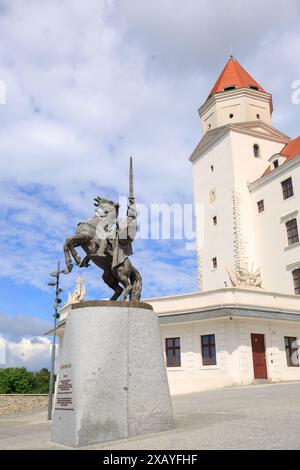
(234, 75)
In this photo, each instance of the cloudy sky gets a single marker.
(87, 85)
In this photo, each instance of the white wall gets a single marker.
(218, 240)
(235, 166)
(234, 353)
(248, 168)
(192, 376)
(276, 259)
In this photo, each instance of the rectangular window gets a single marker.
(208, 347)
(173, 352)
(215, 220)
(292, 231)
(296, 279)
(287, 188)
(214, 263)
(291, 351)
(261, 206)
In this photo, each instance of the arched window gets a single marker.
(296, 279)
(256, 150)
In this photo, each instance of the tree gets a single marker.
(21, 380)
(16, 380)
(42, 379)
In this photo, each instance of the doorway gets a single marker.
(259, 356)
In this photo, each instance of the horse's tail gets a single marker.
(136, 282)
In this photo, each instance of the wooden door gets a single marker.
(259, 356)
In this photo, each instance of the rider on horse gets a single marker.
(113, 237)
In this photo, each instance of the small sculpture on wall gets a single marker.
(243, 277)
(79, 292)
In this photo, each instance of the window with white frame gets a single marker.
(292, 231)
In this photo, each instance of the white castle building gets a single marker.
(244, 323)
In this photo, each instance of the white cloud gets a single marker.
(16, 327)
(32, 353)
(22, 343)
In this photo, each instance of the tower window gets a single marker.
(209, 126)
(231, 87)
(215, 220)
(287, 188)
(296, 279)
(261, 206)
(256, 150)
(214, 263)
(212, 168)
(231, 115)
(258, 116)
(212, 195)
(275, 163)
(292, 232)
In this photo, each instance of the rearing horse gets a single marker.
(111, 251)
(107, 242)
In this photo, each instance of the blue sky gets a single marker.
(89, 84)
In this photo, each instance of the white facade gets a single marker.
(237, 147)
(232, 315)
(276, 258)
(234, 362)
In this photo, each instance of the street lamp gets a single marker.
(56, 316)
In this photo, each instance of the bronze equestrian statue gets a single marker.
(107, 242)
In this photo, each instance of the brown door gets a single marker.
(259, 356)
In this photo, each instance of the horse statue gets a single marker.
(107, 242)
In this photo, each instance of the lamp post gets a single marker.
(56, 315)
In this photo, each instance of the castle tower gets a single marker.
(234, 151)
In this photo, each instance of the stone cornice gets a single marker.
(246, 128)
(237, 93)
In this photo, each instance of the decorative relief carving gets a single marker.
(243, 277)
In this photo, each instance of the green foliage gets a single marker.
(20, 380)
(16, 380)
(42, 380)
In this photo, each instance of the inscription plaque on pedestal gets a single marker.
(64, 399)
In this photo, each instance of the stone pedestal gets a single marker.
(112, 378)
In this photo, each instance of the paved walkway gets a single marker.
(254, 417)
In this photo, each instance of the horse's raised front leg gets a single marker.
(69, 247)
(69, 265)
